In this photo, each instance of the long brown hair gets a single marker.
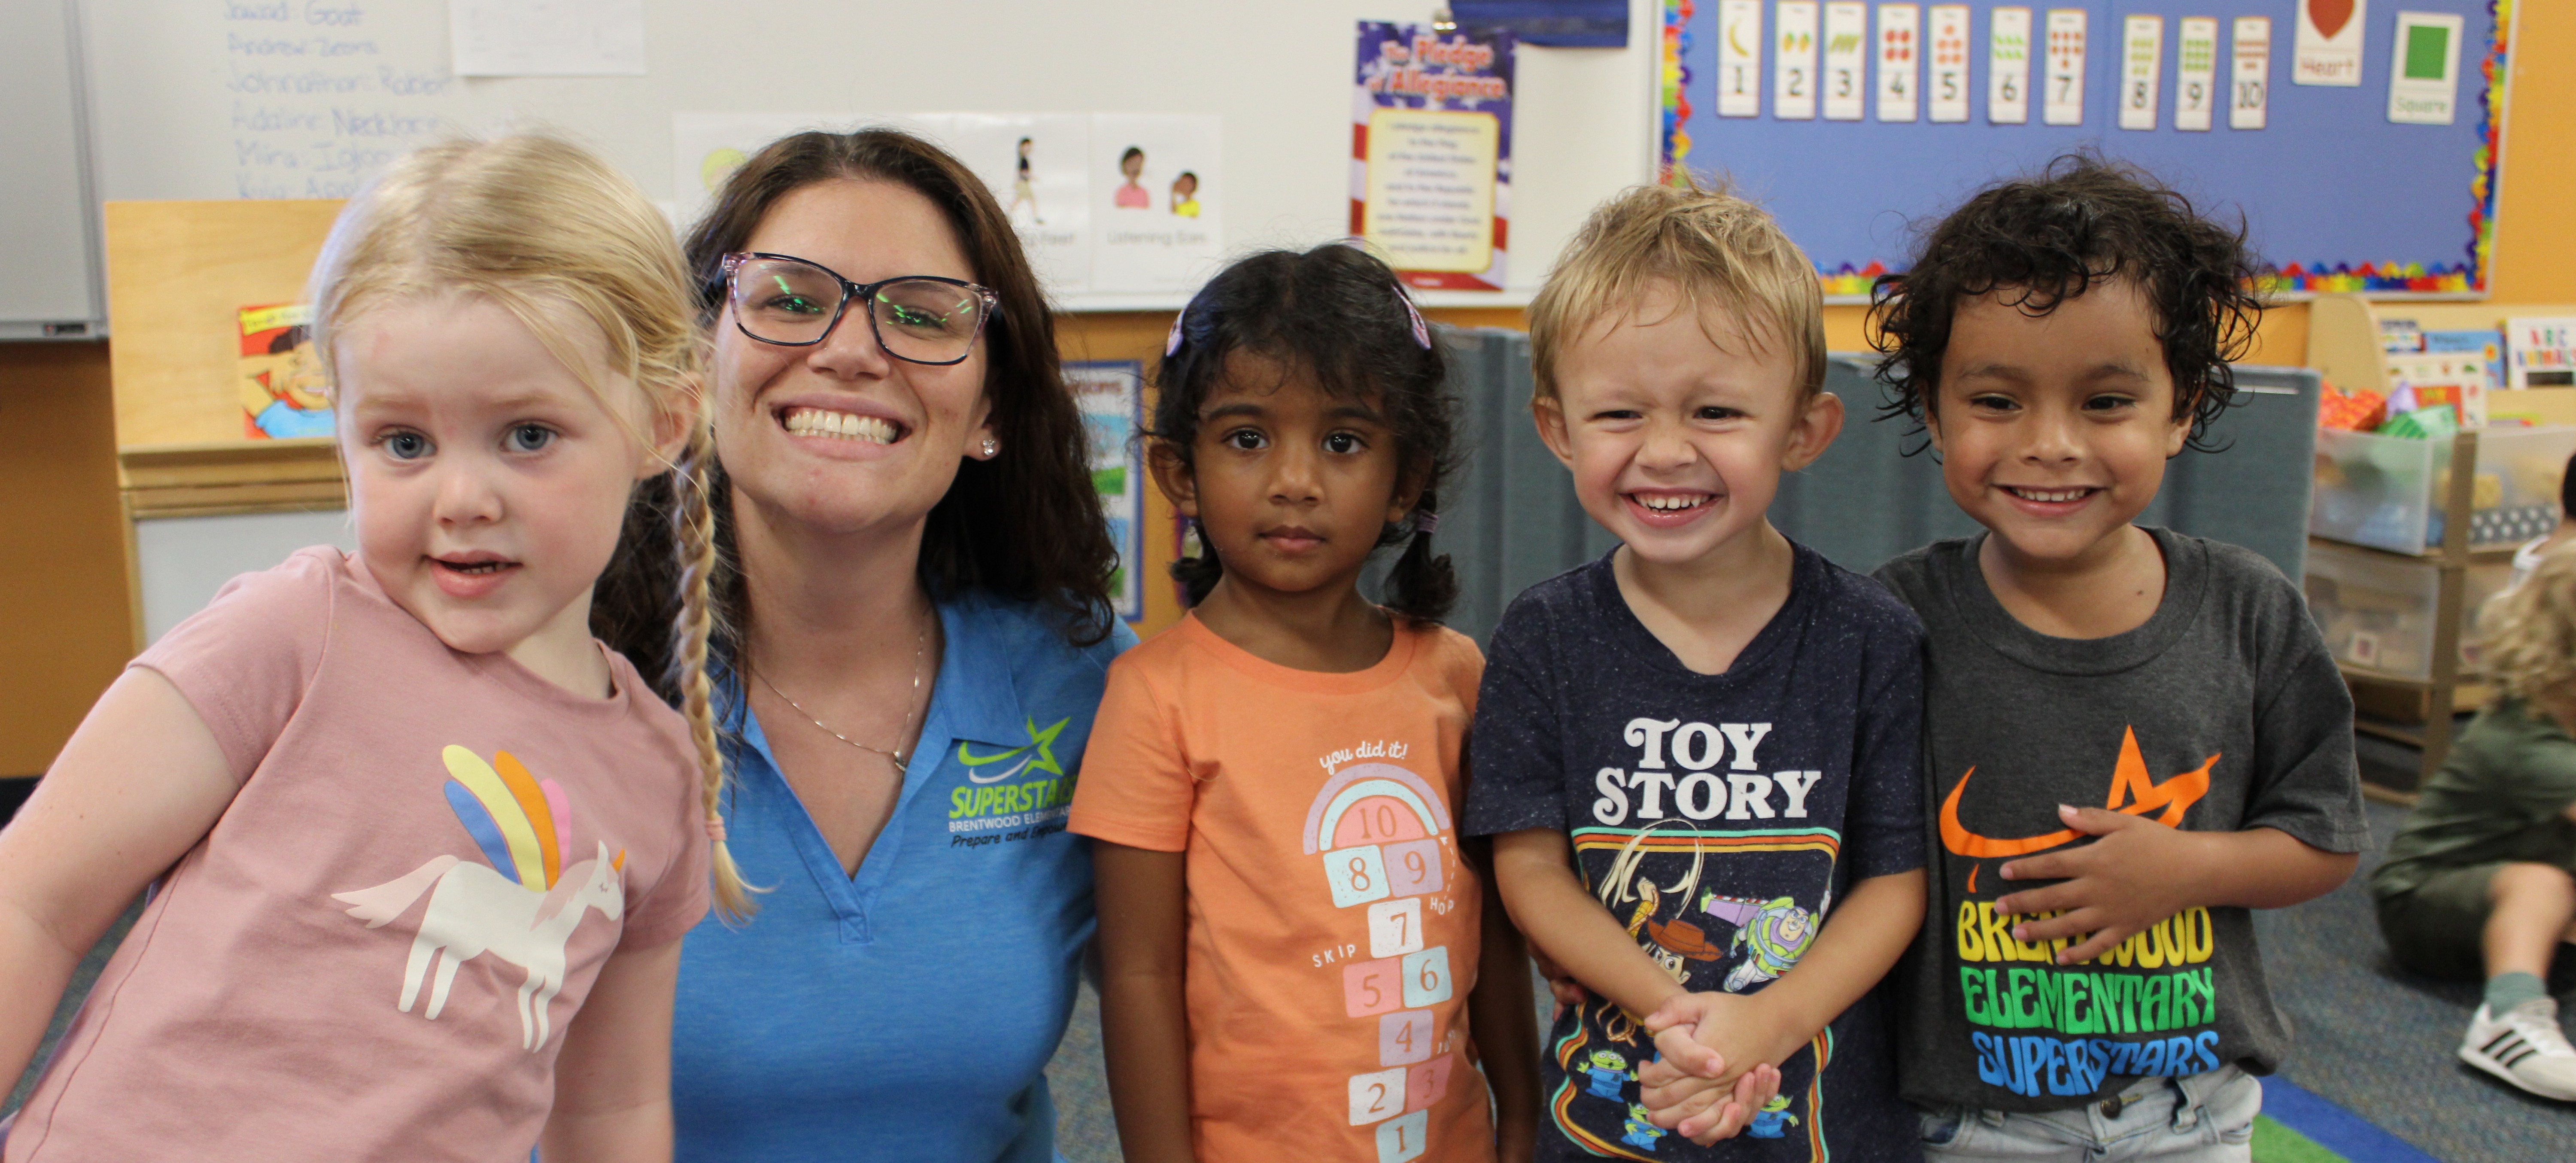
(1024, 526)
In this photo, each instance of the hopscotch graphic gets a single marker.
(521, 909)
(1380, 830)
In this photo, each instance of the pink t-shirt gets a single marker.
(376, 951)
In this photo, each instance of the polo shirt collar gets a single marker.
(978, 695)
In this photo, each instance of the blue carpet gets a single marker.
(2378, 1041)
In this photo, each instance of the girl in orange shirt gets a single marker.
(1302, 957)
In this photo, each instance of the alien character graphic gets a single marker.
(1774, 1121)
(1773, 934)
(1607, 1070)
(1640, 1132)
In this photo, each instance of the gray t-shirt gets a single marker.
(2222, 713)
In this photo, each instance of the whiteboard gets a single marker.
(302, 98)
(47, 225)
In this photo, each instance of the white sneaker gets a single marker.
(2525, 1047)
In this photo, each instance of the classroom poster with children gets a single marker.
(281, 380)
(1431, 153)
(1110, 394)
(1038, 167)
(1157, 196)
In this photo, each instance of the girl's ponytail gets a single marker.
(693, 529)
(1422, 587)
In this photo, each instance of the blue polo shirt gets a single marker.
(907, 1012)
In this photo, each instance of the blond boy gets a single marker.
(1698, 756)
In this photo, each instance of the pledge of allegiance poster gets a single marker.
(1431, 153)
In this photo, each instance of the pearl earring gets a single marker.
(992, 447)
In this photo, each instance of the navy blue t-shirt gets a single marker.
(1717, 817)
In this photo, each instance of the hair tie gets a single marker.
(1425, 522)
(1172, 342)
(1421, 330)
(715, 828)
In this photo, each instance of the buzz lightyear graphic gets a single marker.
(1640, 1133)
(1607, 1070)
(1772, 934)
(1774, 1121)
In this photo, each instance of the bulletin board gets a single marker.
(2336, 196)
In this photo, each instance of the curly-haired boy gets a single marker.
(2135, 736)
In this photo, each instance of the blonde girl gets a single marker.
(420, 849)
(2480, 883)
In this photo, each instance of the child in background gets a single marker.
(1185, 195)
(1698, 755)
(2158, 741)
(2526, 557)
(2481, 882)
(1300, 958)
(334, 742)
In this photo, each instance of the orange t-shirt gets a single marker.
(1333, 927)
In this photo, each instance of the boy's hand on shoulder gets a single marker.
(2135, 873)
(1703, 1110)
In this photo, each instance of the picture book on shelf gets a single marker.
(281, 380)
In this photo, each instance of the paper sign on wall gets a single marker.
(2196, 73)
(1157, 204)
(2424, 77)
(1948, 82)
(2063, 102)
(2540, 352)
(1899, 31)
(1038, 165)
(1432, 149)
(541, 38)
(2249, 88)
(2142, 56)
(1846, 74)
(2329, 42)
(1110, 395)
(1793, 69)
(2008, 66)
(1739, 58)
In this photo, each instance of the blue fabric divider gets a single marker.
(2334, 1128)
(1509, 519)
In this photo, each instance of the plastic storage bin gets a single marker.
(2387, 492)
(2377, 611)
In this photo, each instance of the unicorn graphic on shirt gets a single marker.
(521, 908)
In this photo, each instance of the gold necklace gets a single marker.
(912, 705)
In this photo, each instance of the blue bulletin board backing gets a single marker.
(2336, 196)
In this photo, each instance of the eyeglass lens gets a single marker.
(925, 320)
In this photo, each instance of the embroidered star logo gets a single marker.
(1043, 742)
(2133, 791)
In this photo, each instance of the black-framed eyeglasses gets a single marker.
(788, 301)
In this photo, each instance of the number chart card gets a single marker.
(1431, 153)
(2358, 140)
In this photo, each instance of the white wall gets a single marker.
(179, 91)
(184, 560)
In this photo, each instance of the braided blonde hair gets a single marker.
(2529, 636)
(557, 237)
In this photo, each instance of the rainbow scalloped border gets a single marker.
(1672, 168)
(2464, 278)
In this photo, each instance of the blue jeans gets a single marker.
(2200, 1117)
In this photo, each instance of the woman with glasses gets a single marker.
(911, 633)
